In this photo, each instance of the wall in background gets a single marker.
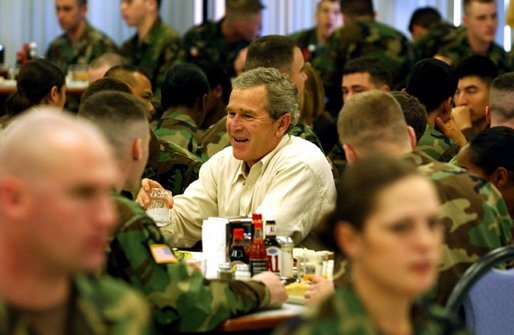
(34, 20)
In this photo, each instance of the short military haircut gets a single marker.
(467, 3)
(370, 119)
(105, 84)
(414, 112)
(183, 85)
(275, 51)
(478, 66)
(432, 81)
(501, 95)
(216, 75)
(125, 72)
(108, 59)
(282, 95)
(356, 8)
(321, 1)
(239, 8)
(424, 17)
(493, 148)
(378, 73)
(120, 116)
(358, 192)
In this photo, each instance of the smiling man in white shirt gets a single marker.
(265, 169)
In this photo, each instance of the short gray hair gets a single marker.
(282, 93)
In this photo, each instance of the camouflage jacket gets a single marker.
(100, 306)
(460, 49)
(156, 53)
(178, 127)
(171, 165)
(439, 36)
(344, 313)
(308, 42)
(93, 43)
(437, 145)
(474, 214)
(180, 297)
(215, 138)
(207, 43)
(362, 37)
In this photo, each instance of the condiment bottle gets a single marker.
(237, 249)
(258, 258)
(272, 247)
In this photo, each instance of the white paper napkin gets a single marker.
(214, 245)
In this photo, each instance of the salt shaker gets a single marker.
(242, 272)
(225, 271)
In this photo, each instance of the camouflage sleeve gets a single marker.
(172, 52)
(304, 131)
(179, 295)
(496, 213)
(105, 302)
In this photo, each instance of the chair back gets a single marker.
(487, 294)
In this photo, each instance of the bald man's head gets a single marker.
(34, 142)
(57, 174)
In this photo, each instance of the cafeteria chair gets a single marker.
(486, 294)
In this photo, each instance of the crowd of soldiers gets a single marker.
(302, 111)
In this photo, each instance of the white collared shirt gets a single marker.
(293, 182)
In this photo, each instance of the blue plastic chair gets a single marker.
(487, 294)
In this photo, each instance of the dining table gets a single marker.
(263, 321)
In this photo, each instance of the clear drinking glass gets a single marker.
(158, 209)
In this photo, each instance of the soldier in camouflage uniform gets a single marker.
(372, 195)
(155, 47)
(473, 211)
(345, 313)
(184, 90)
(429, 32)
(168, 163)
(222, 41)
(180, 297)
(178, 127)
(437, 145)
(80, 43)
(439, 36)
(171, 165)
(434, 82)
(360, 36)
(480, 21)
(62, 231)
(311, 41)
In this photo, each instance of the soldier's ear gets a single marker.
(488, 114)
(500, 178)
(412, 137)
(137, 149)
(349, 152)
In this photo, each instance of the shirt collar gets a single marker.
(264, 161)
